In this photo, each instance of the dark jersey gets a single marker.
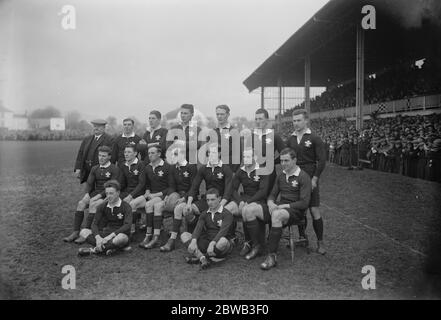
(214, 229)
(119, 144)
(157, 137)
(99, 175)
(158, 179)
(183, 177)
(255, 187)
(294, 190)
(230, 136)
(219, 177)
(311, 153)
(190, 134)
(129, 177)
(117, 219)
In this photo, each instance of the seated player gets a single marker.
(213, 233)
(251, 204)
(216, 175)
(131, 170)
(160, 184)
(95, 194)
(183, 175)
(111, 226)
(294, 187)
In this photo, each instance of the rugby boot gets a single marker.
(245, 249)
(191, 260)
(146, 240)
(153, 243)
(83, 252)
(80, 240)
(270, 262)
(321, 247)
(204, 262)
(72, 236)
(255, 251)
(169, 246)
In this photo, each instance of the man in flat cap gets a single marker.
(87, 156)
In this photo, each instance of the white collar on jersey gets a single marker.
(135, 161)
(117, 204)
(132, 135)
(295, 173)
(106, 165)
(307, 131)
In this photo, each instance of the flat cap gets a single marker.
(99, 122)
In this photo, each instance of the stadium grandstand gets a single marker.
(374, 95)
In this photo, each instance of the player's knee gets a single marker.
(81, 205)
(315, 212)
(185, 237)
(85, 233)
(178, 212)
(120, 240)
(276, 216)
(222, 244)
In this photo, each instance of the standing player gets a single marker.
(159, 185)
(132, 169)
(186, 131)
(213, 233)
(111, 226)
(183, 175)
(294, 187)
(154, 136)
(216, 175)
(228, 136)
(87, 156)
(252, 203)
(311, 157)
(128, 137)
(95, 192)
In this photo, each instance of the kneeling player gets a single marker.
(294, 187)
(251, 204)
(95, 194)
(213, 233)
(111, 226)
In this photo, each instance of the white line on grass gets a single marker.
(375, 230)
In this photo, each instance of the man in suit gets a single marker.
(87, 156)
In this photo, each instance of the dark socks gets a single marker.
(302, 228)
(89, 220)
(176, 225)
(318, 228)
(253, 231)
(149, 220)
(78, 220)
(157, 222)
(274, 239)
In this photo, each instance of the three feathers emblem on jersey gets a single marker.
(186, 174)
(108, 174)
(220, 175)
(120, 216)
(160, 173)
(295, 183)
(256, 178)
(308, 143)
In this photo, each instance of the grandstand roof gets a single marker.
(329, 38)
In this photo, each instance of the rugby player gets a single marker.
(213, 233)
(311, 156)
(183, 175)
(252, 203)
(128, 137)
(294, 187)
(155, 135)
(95, 193)
(159, 182)
(111, 226)
(132, 169)
(216, 175)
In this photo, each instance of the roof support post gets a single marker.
(279, 84)
(359, 94)
(307, 84)
(262, 97)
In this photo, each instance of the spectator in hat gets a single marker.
(87, 156)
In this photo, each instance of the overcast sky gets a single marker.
(127, 57)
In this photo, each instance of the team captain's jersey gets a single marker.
(311, 153)
(255, 187)
(99, 175)
(294, 189)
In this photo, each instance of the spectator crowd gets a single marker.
(404, 80)
(407, 145)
